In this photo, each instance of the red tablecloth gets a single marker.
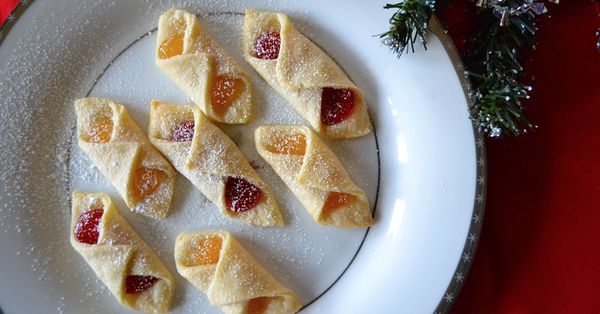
(539, 250)
(6, 6)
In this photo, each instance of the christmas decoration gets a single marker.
(493, 60)
(408, 25)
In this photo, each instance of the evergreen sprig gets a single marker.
(494, 66)
(493, 61)
(407, 25)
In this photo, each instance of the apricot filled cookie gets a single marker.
(119, 257)
(123, 154)
(205, 72)
(219, 266)
(314, 174)
(213, 163)
(304, 75)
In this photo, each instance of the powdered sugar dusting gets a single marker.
(40, 155)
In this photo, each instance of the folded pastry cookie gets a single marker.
(213, 163)
(119, 257)
(121, 151)
(219, 266)
(314, 174)
(205, 72)
(304, 75)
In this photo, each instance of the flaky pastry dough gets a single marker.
(208, 159)
(198, 65)
(314, 174)
(119, 253)
(119, 148)
(300, 72)
(235, 282)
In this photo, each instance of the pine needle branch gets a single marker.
(408, 25)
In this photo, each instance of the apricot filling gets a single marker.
(146, 181)
(292, 144)
(241, 195)
(87, 226)
(171, 47)
(225, 90)
(337, 104)
(258, 305)
(337, 200)
(137, 283)
(209, 251)
(100, 130)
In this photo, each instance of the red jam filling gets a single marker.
(86, 228)
(241, 195)
(183, 132)
(336, 105)
(137, 283)
(267, 45)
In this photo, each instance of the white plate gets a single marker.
(423, 181)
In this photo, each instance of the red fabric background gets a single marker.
(539, 250)
(6, 6)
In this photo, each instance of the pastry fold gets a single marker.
(119, 254)
(314, 174)
(198, 65)
(231, 277)
(300, 73)
(208, 159)
(123, 154)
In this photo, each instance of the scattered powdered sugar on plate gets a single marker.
(40, 162)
